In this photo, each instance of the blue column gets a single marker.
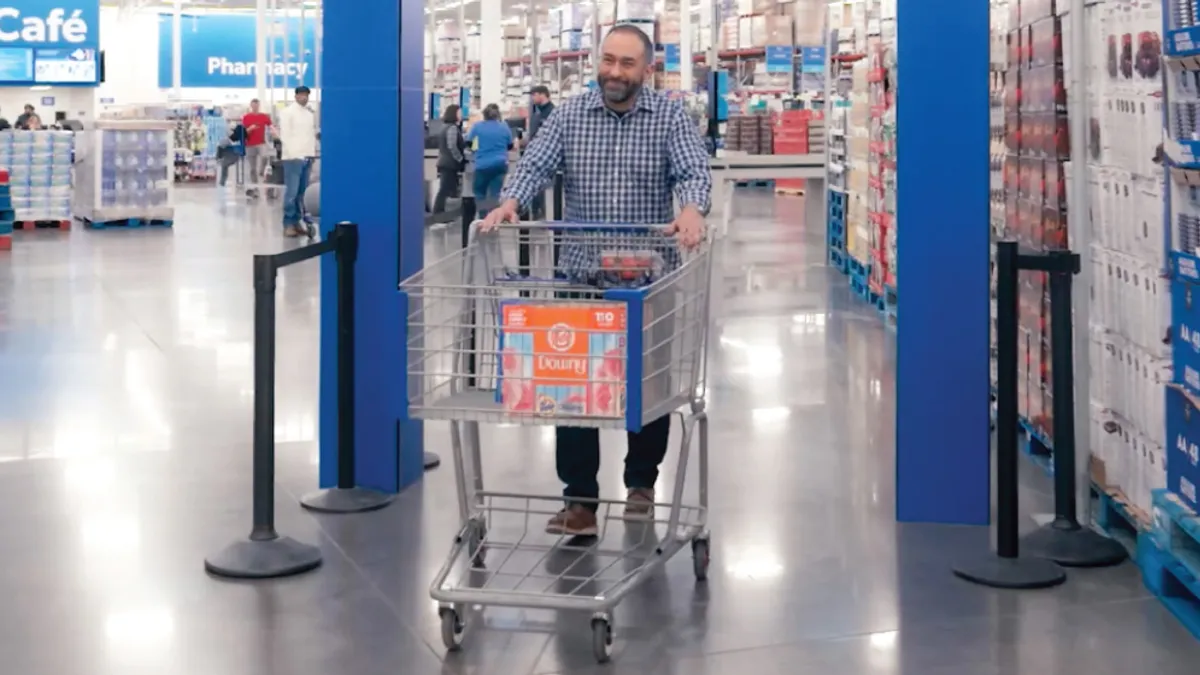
(372, 154)
(942, 220)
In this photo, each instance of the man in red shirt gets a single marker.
(257, 150)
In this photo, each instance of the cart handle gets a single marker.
(617, 228)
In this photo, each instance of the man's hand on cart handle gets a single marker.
(688, 227)
(505, 213)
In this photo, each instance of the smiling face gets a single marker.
(624, 67)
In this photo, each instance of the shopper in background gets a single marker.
(298, 139)
(451, 158)
(256, 124)
(33, 123)
(493, 139)
(231, 150)
(627, 154)
(539, 112)
(23, 118)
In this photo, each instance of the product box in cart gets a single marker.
(1183, 447)
(563, 358)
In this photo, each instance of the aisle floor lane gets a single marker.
(125, 409)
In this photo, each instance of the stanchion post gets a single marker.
(264, 554)
(347, 497)
(1006, 568)
(1064, 540)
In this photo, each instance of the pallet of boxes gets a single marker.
(6, 213)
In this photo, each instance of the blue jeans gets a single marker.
(488, 182)
(295, 182)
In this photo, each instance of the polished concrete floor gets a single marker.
(125, 401)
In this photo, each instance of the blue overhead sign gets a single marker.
(50, 23)
(219, 51)
(49, 42)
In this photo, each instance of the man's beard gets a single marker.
(620, 91)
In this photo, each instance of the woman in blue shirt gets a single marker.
(493, 140)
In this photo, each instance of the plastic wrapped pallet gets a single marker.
(124, 171)
(40, 173)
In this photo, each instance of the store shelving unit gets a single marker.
(861, 141)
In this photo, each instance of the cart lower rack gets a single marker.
(595, 326)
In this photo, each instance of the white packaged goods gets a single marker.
(124, 170)
(39, 164)
(636, 10)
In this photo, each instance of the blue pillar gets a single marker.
(942, 221)
(372, 154)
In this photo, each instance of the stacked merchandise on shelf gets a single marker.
(565, 40)
(123, 173)
(751, 134)
(518, 75)
(668, 77)
(998, 69)
(451, 72)
(792, 137)
(849, 138)
(39, 164)
(1129, 318)
(1036, 145)
(881, 185)
(759, 35)
(841, 45)
(1178, 504)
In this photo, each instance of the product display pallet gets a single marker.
(839, 260)
(126, 223)
(837, 234)
(768, 184)
(859, 275)
(1175, 586)
(1037, 446)
(1119, 519)
(891, 307)
(42, 224)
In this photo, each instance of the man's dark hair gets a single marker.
(302, 90)
(633, 29)
(491, 112)
(540, 89)
(450, 114)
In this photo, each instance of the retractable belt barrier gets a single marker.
(1064, 541)
(265, 554)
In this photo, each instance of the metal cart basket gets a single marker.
(605, 328)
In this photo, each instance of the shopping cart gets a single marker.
(479, 322)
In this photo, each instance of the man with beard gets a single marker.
(627, 153)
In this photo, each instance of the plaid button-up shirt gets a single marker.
(621, 169)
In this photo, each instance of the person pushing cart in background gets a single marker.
(626, 153)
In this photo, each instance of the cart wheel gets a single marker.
(453, 628)
(700, 558)
(602, 641)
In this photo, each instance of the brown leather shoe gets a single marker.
(639, 504)
(573, 521)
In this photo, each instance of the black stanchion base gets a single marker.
(1013, 573)
(348, 500)
(270, 559)
(1073, 546)
(432, 461)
